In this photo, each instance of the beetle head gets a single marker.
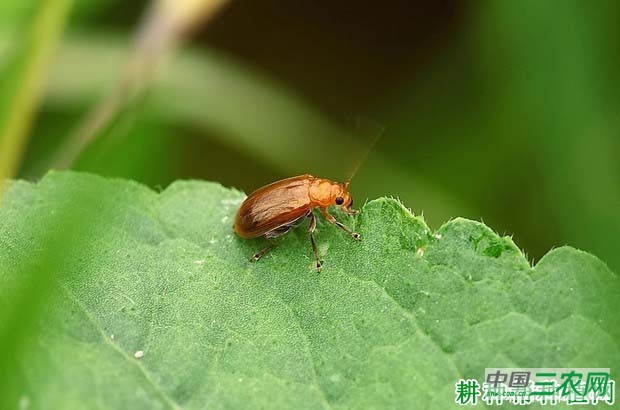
(343, 199)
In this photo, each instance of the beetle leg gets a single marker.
(311, 229)
(333, 220)
(262, 252)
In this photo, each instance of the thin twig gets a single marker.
(165, 25)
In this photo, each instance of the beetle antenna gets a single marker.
(375, 131)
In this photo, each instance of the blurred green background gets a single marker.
(503, 111)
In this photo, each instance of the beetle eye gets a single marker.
(339, 200)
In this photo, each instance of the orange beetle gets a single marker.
(273, 210)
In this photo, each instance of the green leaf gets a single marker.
(22, 77)
(392, 321)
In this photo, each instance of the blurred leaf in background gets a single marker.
(23, 72)
(527, 113)
(499, 112)
(45, 243)
(163, 27)
(555, 99)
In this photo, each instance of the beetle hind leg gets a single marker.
(311, 228)
(276, 233)
(256, 256)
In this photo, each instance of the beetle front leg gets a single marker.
(311, 229)
(333, 220)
